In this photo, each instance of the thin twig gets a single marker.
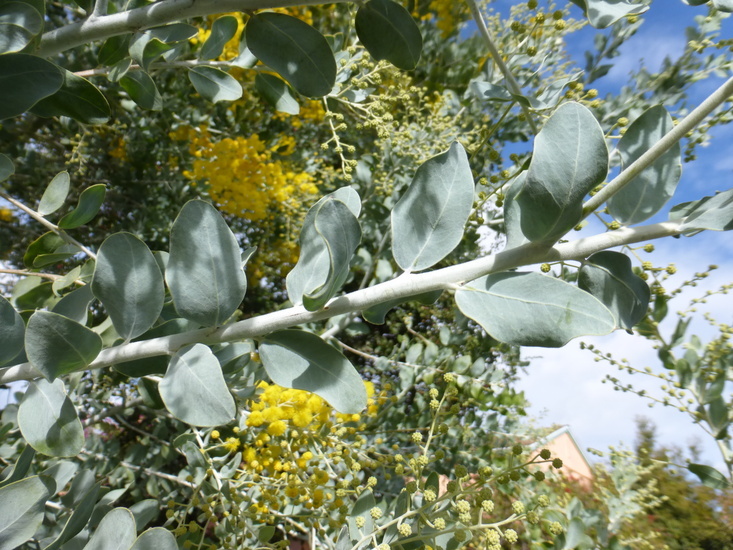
(48, 225)
(511, 81)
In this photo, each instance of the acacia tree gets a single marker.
(210, 374)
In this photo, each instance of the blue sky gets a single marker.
(564, 385)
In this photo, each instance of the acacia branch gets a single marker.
(401, 288)
(160, 13)
(713, 101)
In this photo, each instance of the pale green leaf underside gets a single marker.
(530, 309)
(48, 420)
(193, 388)
(204, 272)
(650, 190)
(428, 220)
(128, 282)
(301, 360)
(116, 531)
(22, 507)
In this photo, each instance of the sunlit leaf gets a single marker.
(214, 84)
(157, 538)
(570, 158)
(603, 13)
(55, 194)
(650, 190)
(428, 220)
(204, 272)
(530, 309)
(277, 93)
(129, 284)
(713, 213)
(116, 531)
(328, 239)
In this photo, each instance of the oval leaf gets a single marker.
(157, 538)
(56, 345)
(204, 272)
(22, 507)
(214, 84)
(128, 282)
(12, 332)
(570, 158)
(75, 305)
(222, 31)
(389, 32)
(277, 93)
(19, 23)
(319, 271)
(709, 476)
(297, 51)
(301, 360)
(55, 194)
(48, 420)
(428, 220)
(609, 277)
(78, 99)
(142, 90)
(116, 531)
(529, 309)
(90, 201)
(193, 388)
(24, 80)
(649, 191)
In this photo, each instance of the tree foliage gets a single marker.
(258, 303)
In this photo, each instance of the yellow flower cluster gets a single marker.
(6, 215)
(291, 433)
(243, 177)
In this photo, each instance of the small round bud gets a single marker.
(557, 15)
(215, 434)
(439, 524)
(623, 121)
(375, 512)
(517, 450)
(416, 437)
(545, 454)
(557, 463)
(405, 529)
(543, 501)
(518, 507)
(360, 522)
(511, 536)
